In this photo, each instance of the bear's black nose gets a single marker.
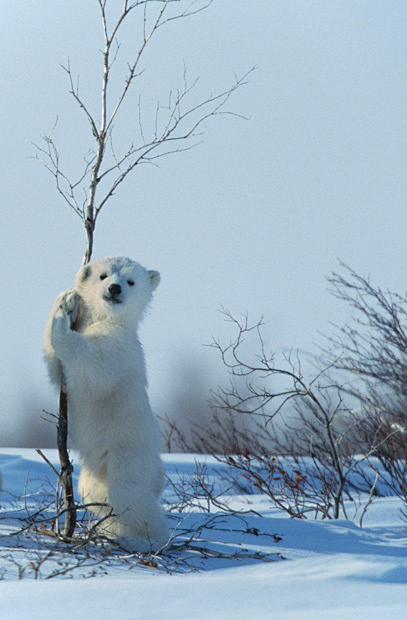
(115, 289)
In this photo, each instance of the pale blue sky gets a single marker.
(255, 218)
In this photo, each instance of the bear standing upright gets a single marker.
(110, 420)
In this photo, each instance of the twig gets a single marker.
(370, 499)
(40, 452)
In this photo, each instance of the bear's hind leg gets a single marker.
(132, 481)
(94, 493)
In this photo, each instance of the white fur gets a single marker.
(110, 420)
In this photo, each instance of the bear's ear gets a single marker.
(154, 279)
(84, 273)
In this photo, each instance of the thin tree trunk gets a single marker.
(65, 476)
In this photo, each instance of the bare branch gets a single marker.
(75, 93)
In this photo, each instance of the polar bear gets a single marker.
(110, 420)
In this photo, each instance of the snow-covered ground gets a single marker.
(257, 564)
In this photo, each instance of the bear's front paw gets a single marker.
(61, 325)
(69, 304)
(65, 313)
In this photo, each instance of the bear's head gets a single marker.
(115, 288)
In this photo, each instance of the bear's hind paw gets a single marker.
(133, 544)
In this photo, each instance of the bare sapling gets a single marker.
(176, 128)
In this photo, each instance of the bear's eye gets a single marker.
(103, 276)
(130, 282)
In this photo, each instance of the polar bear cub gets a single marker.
(110, 420)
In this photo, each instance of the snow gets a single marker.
(331, 569)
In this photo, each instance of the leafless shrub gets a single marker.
(318, 434)
(326, 439)
(374, 360)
